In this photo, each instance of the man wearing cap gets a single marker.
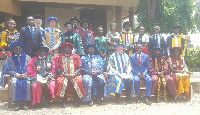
(30, 36)
(140, 68)
(176, 40)
(38, 22)
(67, 67)
(93, 74)
(40, 73)
(74, 38)
(75, 21)
(16, 67)
(87, 35)
(51, 36)
(119, 68)
(128, 38)
(160, 74)
(156, 40)
(179, 72)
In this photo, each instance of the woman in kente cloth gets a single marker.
(86, 34)
(160, 74)
(143, 39)
(113, 38)
(72, 37)
(180, 73)
(67, 67)
(102, 45)
(16, 67)
(40, 73)
(93, 77)
(9, 36)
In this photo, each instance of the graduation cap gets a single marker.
(74, 18)
(176, 26)
(83, 21)
(126, 23)
(38, 17)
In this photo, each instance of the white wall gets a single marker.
(63, 15)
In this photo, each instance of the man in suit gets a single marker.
(140, 68)
(30, 36)
(156, 40)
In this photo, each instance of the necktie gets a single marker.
(52, 38)
(157, 40)
(123, 66)
(32, 31)
(127, 37)
(139, 60)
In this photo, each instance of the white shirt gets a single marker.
(176, 40)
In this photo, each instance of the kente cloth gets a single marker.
(75, 39)
(69, 64)
(128, 40)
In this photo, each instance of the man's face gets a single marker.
(17, 50)
(69, 27)
(176, 53)
(157, 52)
(30, 21)
(176, 30)
(127, 28)
(41, 52)
(91, 51)
(120, 49)
(85, 25)
(75, 22)
(38, 22)
(67, 49)
(141, 30)
(139, 48)
(52, 23)
(156, 30)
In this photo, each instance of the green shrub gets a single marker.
(193, 59)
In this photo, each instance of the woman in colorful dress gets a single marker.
(101, 44)
(40, 73)
(179, 73)
(16, 67)
(113, 38)
(9, 36)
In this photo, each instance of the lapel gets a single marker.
(136, 59)
(35, 31)
(28, 31)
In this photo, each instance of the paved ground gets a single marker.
(110, 108)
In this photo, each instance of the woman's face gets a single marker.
(17, 50)
(100, 31)
(91, 51)
(157, 52)
(113, 28)
(69, 27)
(176, 53)
(12, 25)
(67, 49)
(41, 52)
(141, 30)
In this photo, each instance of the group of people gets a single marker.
(45, 64)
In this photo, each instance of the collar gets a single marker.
(68, 55)
(139, 54)
(84, 29)
(19, 55)
(31, 27)
(128, 32)
(15, 31)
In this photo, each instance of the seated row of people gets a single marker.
(42, 78)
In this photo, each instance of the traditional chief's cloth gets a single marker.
(142, 39)
(128, 40)
(175, 41)
(69, 64)
(38, 69)
(102, 47)
(87, 36)
(51, 38)
(114, 38)
(20, 89)
(75, 39)
(159, 64)
(182, 80)
(120, 64)
(93, 63)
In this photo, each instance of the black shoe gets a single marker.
(99, 102)
(146, 101)
(47, 104)
(25, 108)
(17, 108)
(138, 100)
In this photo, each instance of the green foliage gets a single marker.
(193, 60)
(170, 12)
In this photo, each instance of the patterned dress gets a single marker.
(102, 46)
(87, 36)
